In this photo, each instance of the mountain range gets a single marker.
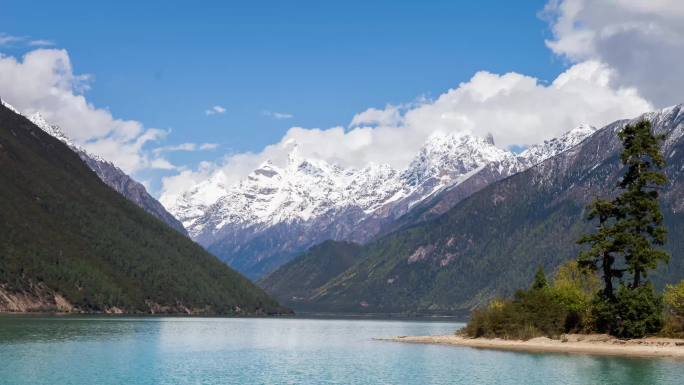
(489, 244)
(277, 212)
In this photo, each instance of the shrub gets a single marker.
(574, 288)
(543, 310)
(532, 313)
(634, 313)
(674, 306)
(602, 315)
(674, 299)
(639, 312)
(503, 320)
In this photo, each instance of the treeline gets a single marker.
(606, 290)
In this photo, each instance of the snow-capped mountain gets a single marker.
(111, 175)
(276, 212)
(490, 244)
(540, 152)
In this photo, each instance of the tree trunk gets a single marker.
(608, 276)
(637, 278)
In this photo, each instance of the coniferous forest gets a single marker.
(63, 231)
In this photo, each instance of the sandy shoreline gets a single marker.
(598, 344)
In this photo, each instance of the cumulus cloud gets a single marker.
(641, 40)
(278, 115)
(388, 116)
(43, 81)
(215, 110)
(624, 58)
(517, 109)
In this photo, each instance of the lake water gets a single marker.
(100, 350)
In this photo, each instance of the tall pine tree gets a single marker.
(604, 245)
(640, 222)
(630, 225)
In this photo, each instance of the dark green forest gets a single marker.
(298, 278)
(63, 229)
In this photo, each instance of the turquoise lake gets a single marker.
(113, 350)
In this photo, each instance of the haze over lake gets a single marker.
(97, 350)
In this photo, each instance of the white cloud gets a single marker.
(641, 40)
(188, 147)
(41, 43)
(278, 115)
(208, 146)
(43, 81)
(516, 109)
(6, 39)
(215, 110)
(388, 116)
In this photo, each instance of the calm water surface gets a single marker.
(96, 350)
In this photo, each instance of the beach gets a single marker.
(596, 344)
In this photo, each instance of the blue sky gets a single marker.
(484, 67)
(165, 63)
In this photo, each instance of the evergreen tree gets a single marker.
(540, 281)
(604, 245)
(630, 227)
(640, 222)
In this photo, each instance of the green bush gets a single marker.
(635, 313)
(574, 288)
(501, 319)
(532, 313)
(674, 309)
(639, 312)
(602, 319)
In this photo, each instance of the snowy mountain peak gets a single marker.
(55, 131)
(266, 170)
(451, 155)
(280, 208)
(294, 158)
(540, 152)
(9, 106)
(490, 138)
(39, 120)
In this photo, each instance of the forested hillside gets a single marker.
(295, 280)
(69, 242)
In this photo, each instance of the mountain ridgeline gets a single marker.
(69, 242)
(490, 243)
(113, 176)
(279, 211)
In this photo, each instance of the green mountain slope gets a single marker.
(69, 242)
(297, 279)
(491, 243)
